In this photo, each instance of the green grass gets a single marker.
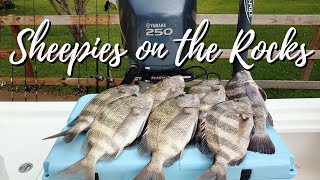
(223, 35)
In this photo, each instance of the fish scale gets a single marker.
(118, 125)
(115, 117)
(165, 89)
(242, 85)
(92, 109)
(170, 128)
(210, 93)
(226, 135)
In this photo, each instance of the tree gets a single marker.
(2, 5)
(63, 7)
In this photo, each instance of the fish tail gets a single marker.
(149, 173)
(69, 134)
(85, 168)
(262, 144)
(213, 173)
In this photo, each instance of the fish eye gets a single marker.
(134, 95)
(215, 89)
(181, 95)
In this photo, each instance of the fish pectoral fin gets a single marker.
(263, 93)
(204, 148)
(122, 91)
(136, 111)
(143, 146)
(85, 145)
(187, 110)
(215, 88)
(170, 161)
(194, 129)
(245, 116)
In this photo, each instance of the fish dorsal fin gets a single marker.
(170, 161)
(193, 139)
(204, 148)
(195, 128)
(202, 142)
(85, 148)
(263, 93)
(143, 146)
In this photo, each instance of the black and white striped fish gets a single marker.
(170, 127)
(92, 109)
(165, 89)
(242, 85)
(117, 126)
(210, 92)
(226, 135)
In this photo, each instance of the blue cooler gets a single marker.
(256, 166)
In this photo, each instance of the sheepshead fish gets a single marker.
(227, 135)
(170, 127)
(89, 113)
(210, 92)
(166, 89)
(242, 85)
(118, 125)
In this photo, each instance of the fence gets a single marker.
(221, 19)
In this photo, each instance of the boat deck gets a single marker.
(24, 124)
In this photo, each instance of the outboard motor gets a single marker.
(156, 21)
